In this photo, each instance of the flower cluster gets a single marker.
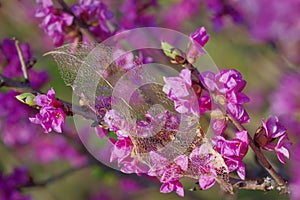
(233, 151)
(51, 115)
(135, 13)
(273, 132)
(226, 87)
(16, 129)
(202, 162)
(123, 146)
(181, 11)
(179, 89)
(169, 172)
(284, 101)
(220, 9)
(60, 25)
(50, 148)
(95, 15)
(10, 184)
(55, 21)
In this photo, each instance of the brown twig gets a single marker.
(16, 85)
(57, 177)
(21, 58)
(265, 184)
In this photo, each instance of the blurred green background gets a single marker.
(231, 48)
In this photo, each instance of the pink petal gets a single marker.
(166, 188)
(281, 153)
(206, 182)
(182, 161)
(241, 171)
(179, 189)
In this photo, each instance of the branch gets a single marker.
(83, 27)
(265, 184)
(17, 86)
(57, 177)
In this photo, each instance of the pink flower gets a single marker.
(227, 86)
(54, 21)
(202, 161)
(133, 165)
(169, 172)
(219, 126)
(233, 151)
(96, 14)
(182, 161)
(198, 40)
(282, 148)
(51, 115)
(136, 13)
(179, 89)
(273, 130)
(121, 150)
(221, 9)
(172, 186)
(229, 80)
(123, 59)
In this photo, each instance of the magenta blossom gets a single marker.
(136, 13)
(179, 89)
(175, 15)
(198, 40)
(169, 172)
(10, 184)
(202, 161)
(273, 131)
(122, 153)
(124, 59)
(172, 186)
(51, 115)
(96, 15)
(227, 87)
(47, 149)
(54, 21)
(200, 36)
(122, 149)
(285, 101)
(221, 9)
(233, 151)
